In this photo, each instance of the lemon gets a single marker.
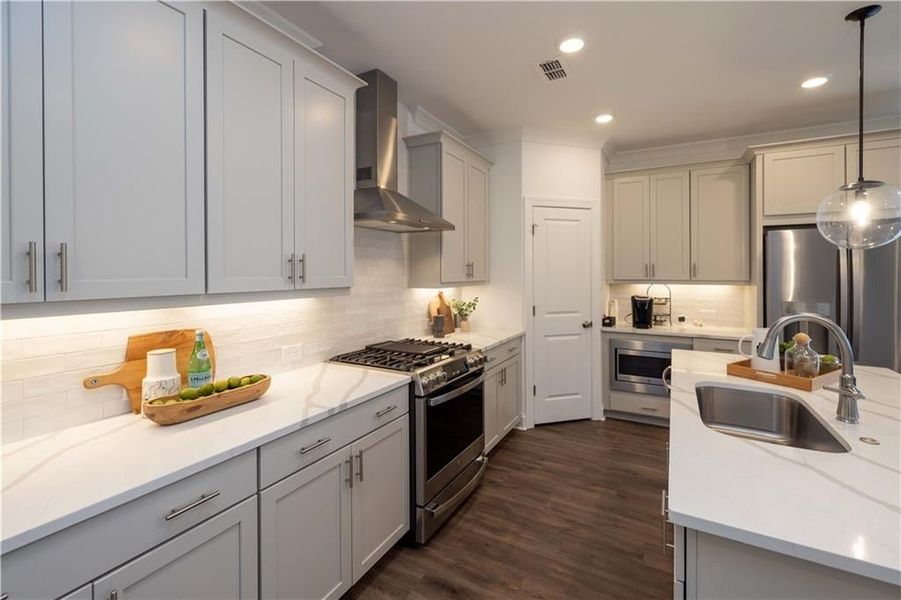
(234, 382)
(189, 394)
(245, 381)
(206, 389)
(256, 378)
(221, 385)
(172, 401)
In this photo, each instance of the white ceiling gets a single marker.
(670, 72)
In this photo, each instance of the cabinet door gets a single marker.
(492, 391)
(453, 208)
(250, 126)
(508, 398)
(324, 129)
(123, 149)
(796, 181)
(381, 493)
(85, 592)
(477, 219)
(882, 161)
(720, 224)
(22, 219)
(670, 236)
(630, 228)
(305, 532)
(215, 560)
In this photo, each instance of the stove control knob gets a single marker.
(442, 376)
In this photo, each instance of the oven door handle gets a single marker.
(457, 392)
(436, 511)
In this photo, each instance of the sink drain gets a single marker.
(870, 441)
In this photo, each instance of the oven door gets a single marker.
(450, 433)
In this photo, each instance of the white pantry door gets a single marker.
(561, 264)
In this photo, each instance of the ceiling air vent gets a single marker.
(553, 69)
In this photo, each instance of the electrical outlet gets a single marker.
(292, 352)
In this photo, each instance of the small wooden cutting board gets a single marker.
(439, 306)
(133, 370)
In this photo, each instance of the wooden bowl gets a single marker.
(185, 410)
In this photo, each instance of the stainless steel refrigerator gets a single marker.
(858, 289)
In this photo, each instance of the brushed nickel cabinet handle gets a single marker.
(385, 411)
(177, 512)
(32, 275)
(113, 595)
(291, 267)
(694, 269)
(350, 471)
(663, 498)
(653, 270)
(303, 267)
(646, 269)
(63, 255)
(360, 458)
(316, 444)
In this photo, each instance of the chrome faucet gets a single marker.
(848, 392)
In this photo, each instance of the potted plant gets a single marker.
(464, 309)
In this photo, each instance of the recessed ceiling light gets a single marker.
(814, 82)
(604, 118)
(571, 44)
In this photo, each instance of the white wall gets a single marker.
(45, 359)
(561, 171)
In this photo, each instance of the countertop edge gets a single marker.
(56, 525)
(828, 559)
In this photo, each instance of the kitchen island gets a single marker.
(742, 507)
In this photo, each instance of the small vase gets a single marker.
(464, 325)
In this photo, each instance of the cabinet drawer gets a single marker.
(650, 406)
(61, 562)
(284, 456)
(706, 345)
(501, 353)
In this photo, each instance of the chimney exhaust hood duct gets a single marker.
(377, 203)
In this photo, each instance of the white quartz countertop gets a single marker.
(842, 510)
(59, 479)
(484, 339)
(690, 331)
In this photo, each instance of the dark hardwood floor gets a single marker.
(570, 510)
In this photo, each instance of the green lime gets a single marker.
(257, 378)
(245, 381)
(234, 382)
(828, 359)
(189, 394)
(221, 385)
(206, 389)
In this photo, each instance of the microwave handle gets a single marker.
(457, 392)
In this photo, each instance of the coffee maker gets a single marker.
(642, 312)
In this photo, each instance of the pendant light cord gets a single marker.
(860, 107)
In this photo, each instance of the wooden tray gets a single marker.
(186, 410)
(133, 370)
(742, 368)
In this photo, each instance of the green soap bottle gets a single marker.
(200, 368)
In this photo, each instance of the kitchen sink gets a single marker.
(765, 416)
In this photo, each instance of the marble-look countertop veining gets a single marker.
(842, 510)
(62, 478)
(484, 339)
(690, 331)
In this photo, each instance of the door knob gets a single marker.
(587, 324)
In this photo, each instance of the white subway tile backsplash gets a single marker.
(45, 360)
(719, 305)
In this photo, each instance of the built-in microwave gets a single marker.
(637, 365)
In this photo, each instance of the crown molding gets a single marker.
(429, 122)
(276, 21)
(537, 136)
(734, 148)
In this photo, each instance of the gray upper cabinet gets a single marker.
(630, 228)
(280, 123)
(451, 179)
(123, 149)
(721, 224)
(22, 219)
(670, 237)
(250, 158)
(215, 560)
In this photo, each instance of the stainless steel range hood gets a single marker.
(377, 203)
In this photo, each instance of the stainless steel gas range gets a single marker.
(448, 439)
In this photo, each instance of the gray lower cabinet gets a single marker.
(324, 526)
(216, 560)
(85, 592)
(305, 531)
(502, 401)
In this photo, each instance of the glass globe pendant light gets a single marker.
(864, 214)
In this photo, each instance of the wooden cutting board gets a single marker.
(439, 306)
(133, 370)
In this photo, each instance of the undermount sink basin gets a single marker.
(766, 417)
